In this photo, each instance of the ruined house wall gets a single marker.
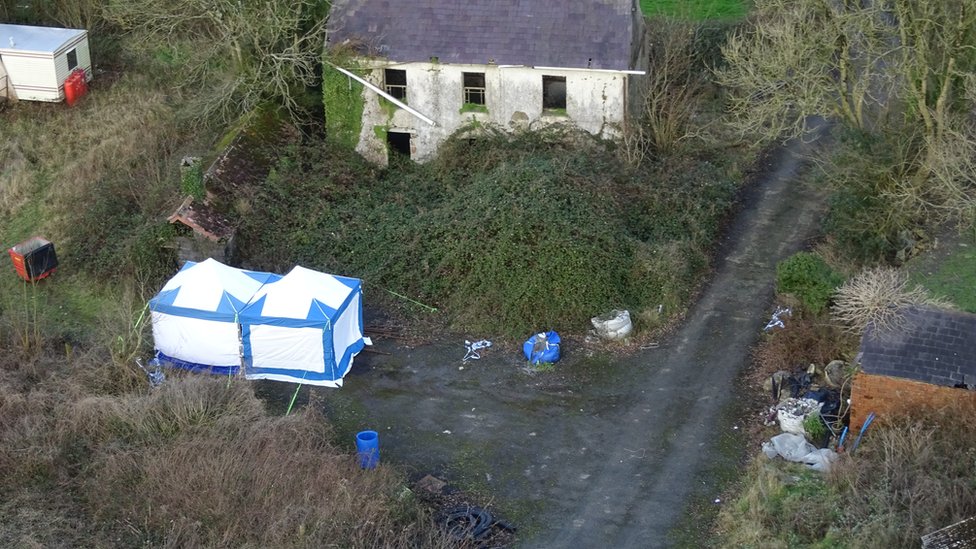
(595, 102)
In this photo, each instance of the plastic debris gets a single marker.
(156, 377)
(466, 523)
(614, 326)
(795, 448)
(864, 428)
(473, 348)
(791, 412)
(776, 321)
(542, 347)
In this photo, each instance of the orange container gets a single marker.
(75, 87)
(34, 258)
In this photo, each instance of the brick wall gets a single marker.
(885, 396)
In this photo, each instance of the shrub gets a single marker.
(804, 341)
(878, 297)
(197, 462)
(809, 278)
(507, 235)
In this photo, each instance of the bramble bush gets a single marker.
(505, 235)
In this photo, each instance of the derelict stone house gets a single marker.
(928, 361)
(509, 64)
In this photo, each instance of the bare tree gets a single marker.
(801, 58)
(879, 297)
(894, 70)
(676, 79)
(240, 53)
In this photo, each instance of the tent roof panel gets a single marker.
(212, 286)
(296, 294)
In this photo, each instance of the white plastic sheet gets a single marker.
(795, 448)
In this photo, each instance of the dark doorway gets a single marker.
(398, 145)
(554, 92)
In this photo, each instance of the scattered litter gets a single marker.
(634, 453)
(651, 345)
(431, 484)
(811, 383)
(613, 326)
(446, 432)
(864, 428)
(473, 348)
(791, 413)
(833, 373)
(717, 500)
(155, 376)
(843, 437)
(776, 321)
(795, 448)
(466, 522)
(542, 347)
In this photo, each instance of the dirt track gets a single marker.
(607, 453)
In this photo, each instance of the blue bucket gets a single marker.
(368, 449)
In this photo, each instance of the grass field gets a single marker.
(697, 9)
(953, 276)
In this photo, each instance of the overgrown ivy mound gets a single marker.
(504, 236)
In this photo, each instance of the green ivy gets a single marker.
(343, 100)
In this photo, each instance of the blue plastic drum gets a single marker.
(368, 449)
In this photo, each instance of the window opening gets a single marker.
(474, 88)
(396, 83)
(554, 92)
(72, 59)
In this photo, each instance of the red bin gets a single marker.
(34, 258)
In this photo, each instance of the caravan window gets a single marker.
(72, 60)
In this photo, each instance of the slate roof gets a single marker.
(555, 33)
(932, 346)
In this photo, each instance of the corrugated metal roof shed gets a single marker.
(597, 34)
(961, 535)
(35, 39)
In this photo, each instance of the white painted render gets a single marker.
(37, 61)
(596, 101)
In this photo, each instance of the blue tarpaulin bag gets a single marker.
(542, 347)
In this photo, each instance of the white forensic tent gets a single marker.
(305, 328)
(195, 315)
(39, 59)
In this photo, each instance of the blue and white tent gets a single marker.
(194, 316)
(305, 328)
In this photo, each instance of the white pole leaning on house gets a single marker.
(385, 95)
